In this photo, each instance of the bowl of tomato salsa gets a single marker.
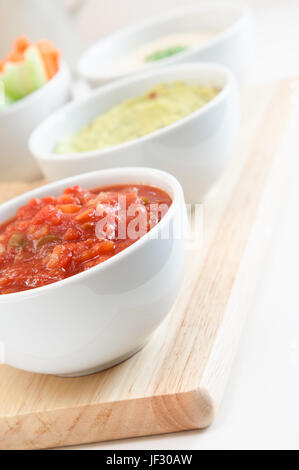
(89, 267)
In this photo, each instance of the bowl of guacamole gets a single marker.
(161, 106)
(181, 119)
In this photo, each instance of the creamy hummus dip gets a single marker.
(159, 49)
(137, 117)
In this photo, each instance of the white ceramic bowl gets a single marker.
(102, 316)
(194, 149)
(18, 121)
(230, 47)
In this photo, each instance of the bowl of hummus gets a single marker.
(216, 32)
(183, 119)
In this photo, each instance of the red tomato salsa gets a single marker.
(53, 238)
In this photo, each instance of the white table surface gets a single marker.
(260, 407)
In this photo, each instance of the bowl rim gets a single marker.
(75, 106)
(35, 95)
(16, 202)
(139, 27)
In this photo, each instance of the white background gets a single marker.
(260, 408)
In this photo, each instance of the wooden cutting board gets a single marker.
(177, 381)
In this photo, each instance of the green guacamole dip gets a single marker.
(136, 117)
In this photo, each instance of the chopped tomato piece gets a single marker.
(72, 234)
(68, 208)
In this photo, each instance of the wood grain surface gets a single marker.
(177, 381)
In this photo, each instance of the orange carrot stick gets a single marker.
(2, 63)
(50, 55)
(21, 44)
